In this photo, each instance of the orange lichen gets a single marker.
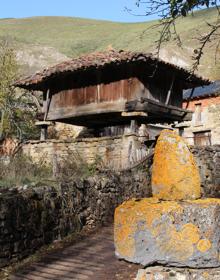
(177, 245)
(158, 217)
(191, 233)
(205, 274)
(175, 175)
(204, 245)
(129, 213)
(207, 202)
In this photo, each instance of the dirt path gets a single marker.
(92, 258)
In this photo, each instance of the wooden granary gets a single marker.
(112, 88)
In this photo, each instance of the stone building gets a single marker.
(204, 128)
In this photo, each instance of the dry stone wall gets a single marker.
(32, 217)
(121, 152)
(115, 153)
(208, 162)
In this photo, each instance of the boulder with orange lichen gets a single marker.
(175, 175)
(176, 233)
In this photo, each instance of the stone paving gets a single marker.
(92, 258)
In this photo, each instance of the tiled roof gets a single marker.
(201, 92)
(100, 59)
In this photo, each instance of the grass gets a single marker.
(75, 36)
(21, 171)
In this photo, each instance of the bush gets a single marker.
(74, 167)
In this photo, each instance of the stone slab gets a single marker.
(172, 273)
(175, 175)
(186, 233)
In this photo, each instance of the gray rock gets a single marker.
(166, 273)
(171, 233)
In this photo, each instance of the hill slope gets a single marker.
(44, 41)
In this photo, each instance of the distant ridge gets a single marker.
(43, 41)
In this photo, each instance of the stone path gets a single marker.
(92, 258)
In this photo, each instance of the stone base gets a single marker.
(186, 233)
(170, 273)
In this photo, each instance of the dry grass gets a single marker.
(20, 170)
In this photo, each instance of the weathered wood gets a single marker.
(86, 110)
(114, 103)
(48, 100)
(134, 114)
(170, 91)
(157, 108)
(44, 107)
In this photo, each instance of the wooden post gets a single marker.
(44, 107)
(47, 105)
(170, 91)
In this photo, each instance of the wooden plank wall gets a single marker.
(105, 97)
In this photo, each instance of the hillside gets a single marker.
(44, 41)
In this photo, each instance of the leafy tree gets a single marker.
(170, 10)
(16, 108)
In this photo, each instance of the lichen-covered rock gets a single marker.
(172, 273)
(174, 233)
(175, 175)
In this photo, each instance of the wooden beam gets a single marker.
(170, 91)
(134, 114)
(158, 108)
(48, 99)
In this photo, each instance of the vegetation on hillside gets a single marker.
(74, 36)
(172, 10)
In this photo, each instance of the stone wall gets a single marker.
(117, 152)
(121, 152)
(32, 217)
(208, 161)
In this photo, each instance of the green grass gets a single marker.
(75, 36)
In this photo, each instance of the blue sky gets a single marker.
(96, 9)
